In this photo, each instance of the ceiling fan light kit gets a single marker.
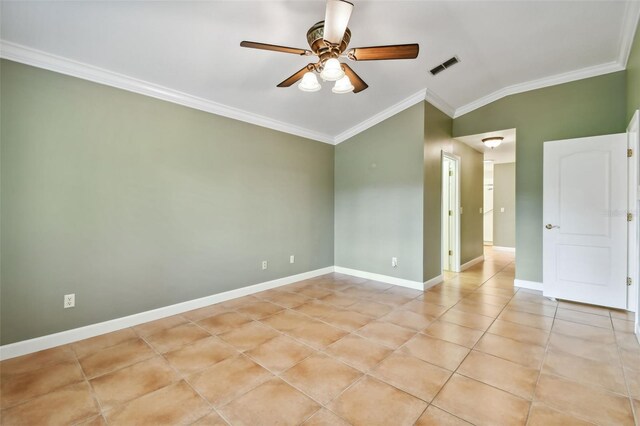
(309, 83)
(332, 70)
(328, 41)
(343, 86)
(493, 141)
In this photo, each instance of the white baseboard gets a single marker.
(507, 249)
(433, 281)
(62, 338)
(531, 285)
(472, 262)
(379, 277)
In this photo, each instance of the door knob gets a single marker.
(550, 226)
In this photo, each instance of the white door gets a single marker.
(585, 220)
(487, 208)
(446, 214)
(450, 213)
(488, 214)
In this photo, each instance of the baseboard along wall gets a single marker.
(471, 263)
(36, 344)
(531, 285)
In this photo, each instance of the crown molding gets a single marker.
(440, 103)
(381, 116)
(421, 95)
(40, 59)
(37, 58)
(628, 32)
(553, 80)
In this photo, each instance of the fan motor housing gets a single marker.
(324, 50)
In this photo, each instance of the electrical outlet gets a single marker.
(394, 262)
(264, 265)
(69, 300)
(501, 209)
(292, 259)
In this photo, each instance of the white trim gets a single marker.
(633, 245)
(553, 80)
(457, 245)
(40, 59)
(433, 281)
(531, 285)
(381, 116)
(45, 342)
(379, 277)
(628, 31)
(48, 61)
(439, 103)
(471, 263)
(502, 248)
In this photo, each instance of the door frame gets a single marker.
(633, 206)
(455, 267)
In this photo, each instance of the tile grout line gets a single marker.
(634, 412)
(143, 338)
(544, 358)
(471, 350)
(322, 350)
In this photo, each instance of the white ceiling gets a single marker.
(189, 52)
(505, 153)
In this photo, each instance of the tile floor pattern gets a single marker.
(338, 350)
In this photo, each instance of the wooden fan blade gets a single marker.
(377, 53)
(295, 77)
(358, 84)
(275, 48)
(336, 19)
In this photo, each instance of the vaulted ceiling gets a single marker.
(188, 52)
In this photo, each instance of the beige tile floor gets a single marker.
(338, 350)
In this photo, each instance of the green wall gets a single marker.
(633, 77)
(588, 107)
(504, 197)
(437, 137)
(471, 200)
(378, 197)
(437, 131)
(133, 203)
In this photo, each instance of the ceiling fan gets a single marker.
(328, 41)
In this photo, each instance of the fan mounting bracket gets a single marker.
(323, 49)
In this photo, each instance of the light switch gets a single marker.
(501, 209)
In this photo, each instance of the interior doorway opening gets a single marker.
(450, 212)
(487, 210)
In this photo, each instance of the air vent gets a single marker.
(443, 66)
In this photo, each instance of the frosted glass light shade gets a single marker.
(343, 86)
(309, 83)
(492, 142)
(332, 70)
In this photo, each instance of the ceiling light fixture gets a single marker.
(332, 70)
(309, 83)
(329, 40)
(493, 141)
(343, 86)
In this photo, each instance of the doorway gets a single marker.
(450, 212)
(488, 203)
